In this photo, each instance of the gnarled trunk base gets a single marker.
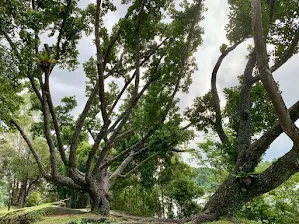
(100, 203)
(99, 194)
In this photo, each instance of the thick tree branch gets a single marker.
(47, 127)
(34, 87)
(277, 173)
(100, 65)
(79, 125)
(266, 76)
(93, 151)
(65, 181)
(259, 147)
(244, 132)
(218, 124)
(55, 122)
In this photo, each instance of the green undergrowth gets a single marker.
(239, 221)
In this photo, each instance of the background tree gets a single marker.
(18, 163)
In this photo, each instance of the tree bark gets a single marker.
(100, 201)
(234, 193)
(99, 194)
(23, 194)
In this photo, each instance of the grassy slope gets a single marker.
(51, 214)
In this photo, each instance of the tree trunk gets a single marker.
(23, 194)
(99, 194)
(100, 202)
(227, 198)
(236, 192)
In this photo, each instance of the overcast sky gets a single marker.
(64, 83)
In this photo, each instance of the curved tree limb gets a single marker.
(218, 124)
(266, 76)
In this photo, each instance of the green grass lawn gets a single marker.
(52, 214)
(61, 219)
(4, 210)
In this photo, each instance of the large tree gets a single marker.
(266, 22)
(152, 55)
(133, 80)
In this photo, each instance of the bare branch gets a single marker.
(266, 76)
(218, 124)
(91, 134)
(34, 87)
(123, 153)
(121, 93)
(187, 126)
(182, 150)
(125, 163)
